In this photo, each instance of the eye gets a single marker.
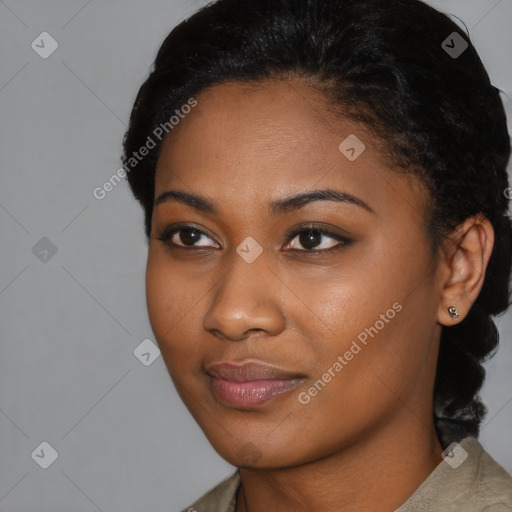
(184, 237)
(311, 239)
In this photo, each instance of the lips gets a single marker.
(249, 372)
(251, 384)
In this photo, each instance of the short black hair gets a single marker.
(386, 64)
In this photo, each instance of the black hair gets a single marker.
(387, 64)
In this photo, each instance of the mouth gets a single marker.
(250, 385)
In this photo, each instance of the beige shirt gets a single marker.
(468, 481)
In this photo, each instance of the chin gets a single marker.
(259, 453)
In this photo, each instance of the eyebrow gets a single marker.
(279, 207)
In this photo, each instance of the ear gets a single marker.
(467, 253)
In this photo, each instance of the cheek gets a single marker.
(339, 306)
(170, 301)
(380, 320)
(159, 296)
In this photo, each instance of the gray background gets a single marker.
(70, 324)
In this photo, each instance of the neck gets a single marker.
(376, 473)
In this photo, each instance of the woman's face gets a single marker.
(289, 342)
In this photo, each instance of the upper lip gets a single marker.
(250, 371)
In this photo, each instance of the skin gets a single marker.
(366, 441)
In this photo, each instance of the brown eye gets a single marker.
(311, 240)
(185, 237)
(188, 236)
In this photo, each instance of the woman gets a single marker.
(324, 185)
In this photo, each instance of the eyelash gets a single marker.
(167, 233)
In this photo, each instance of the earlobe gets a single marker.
(467, 264)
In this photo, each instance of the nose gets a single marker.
(247, 298)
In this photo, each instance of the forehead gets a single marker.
(256, 142)
(264, 121)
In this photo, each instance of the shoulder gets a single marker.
(494, 484)
(467, 480)
(222, 498)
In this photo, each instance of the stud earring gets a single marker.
(453, 312)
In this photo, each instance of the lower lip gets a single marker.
(249, 394)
